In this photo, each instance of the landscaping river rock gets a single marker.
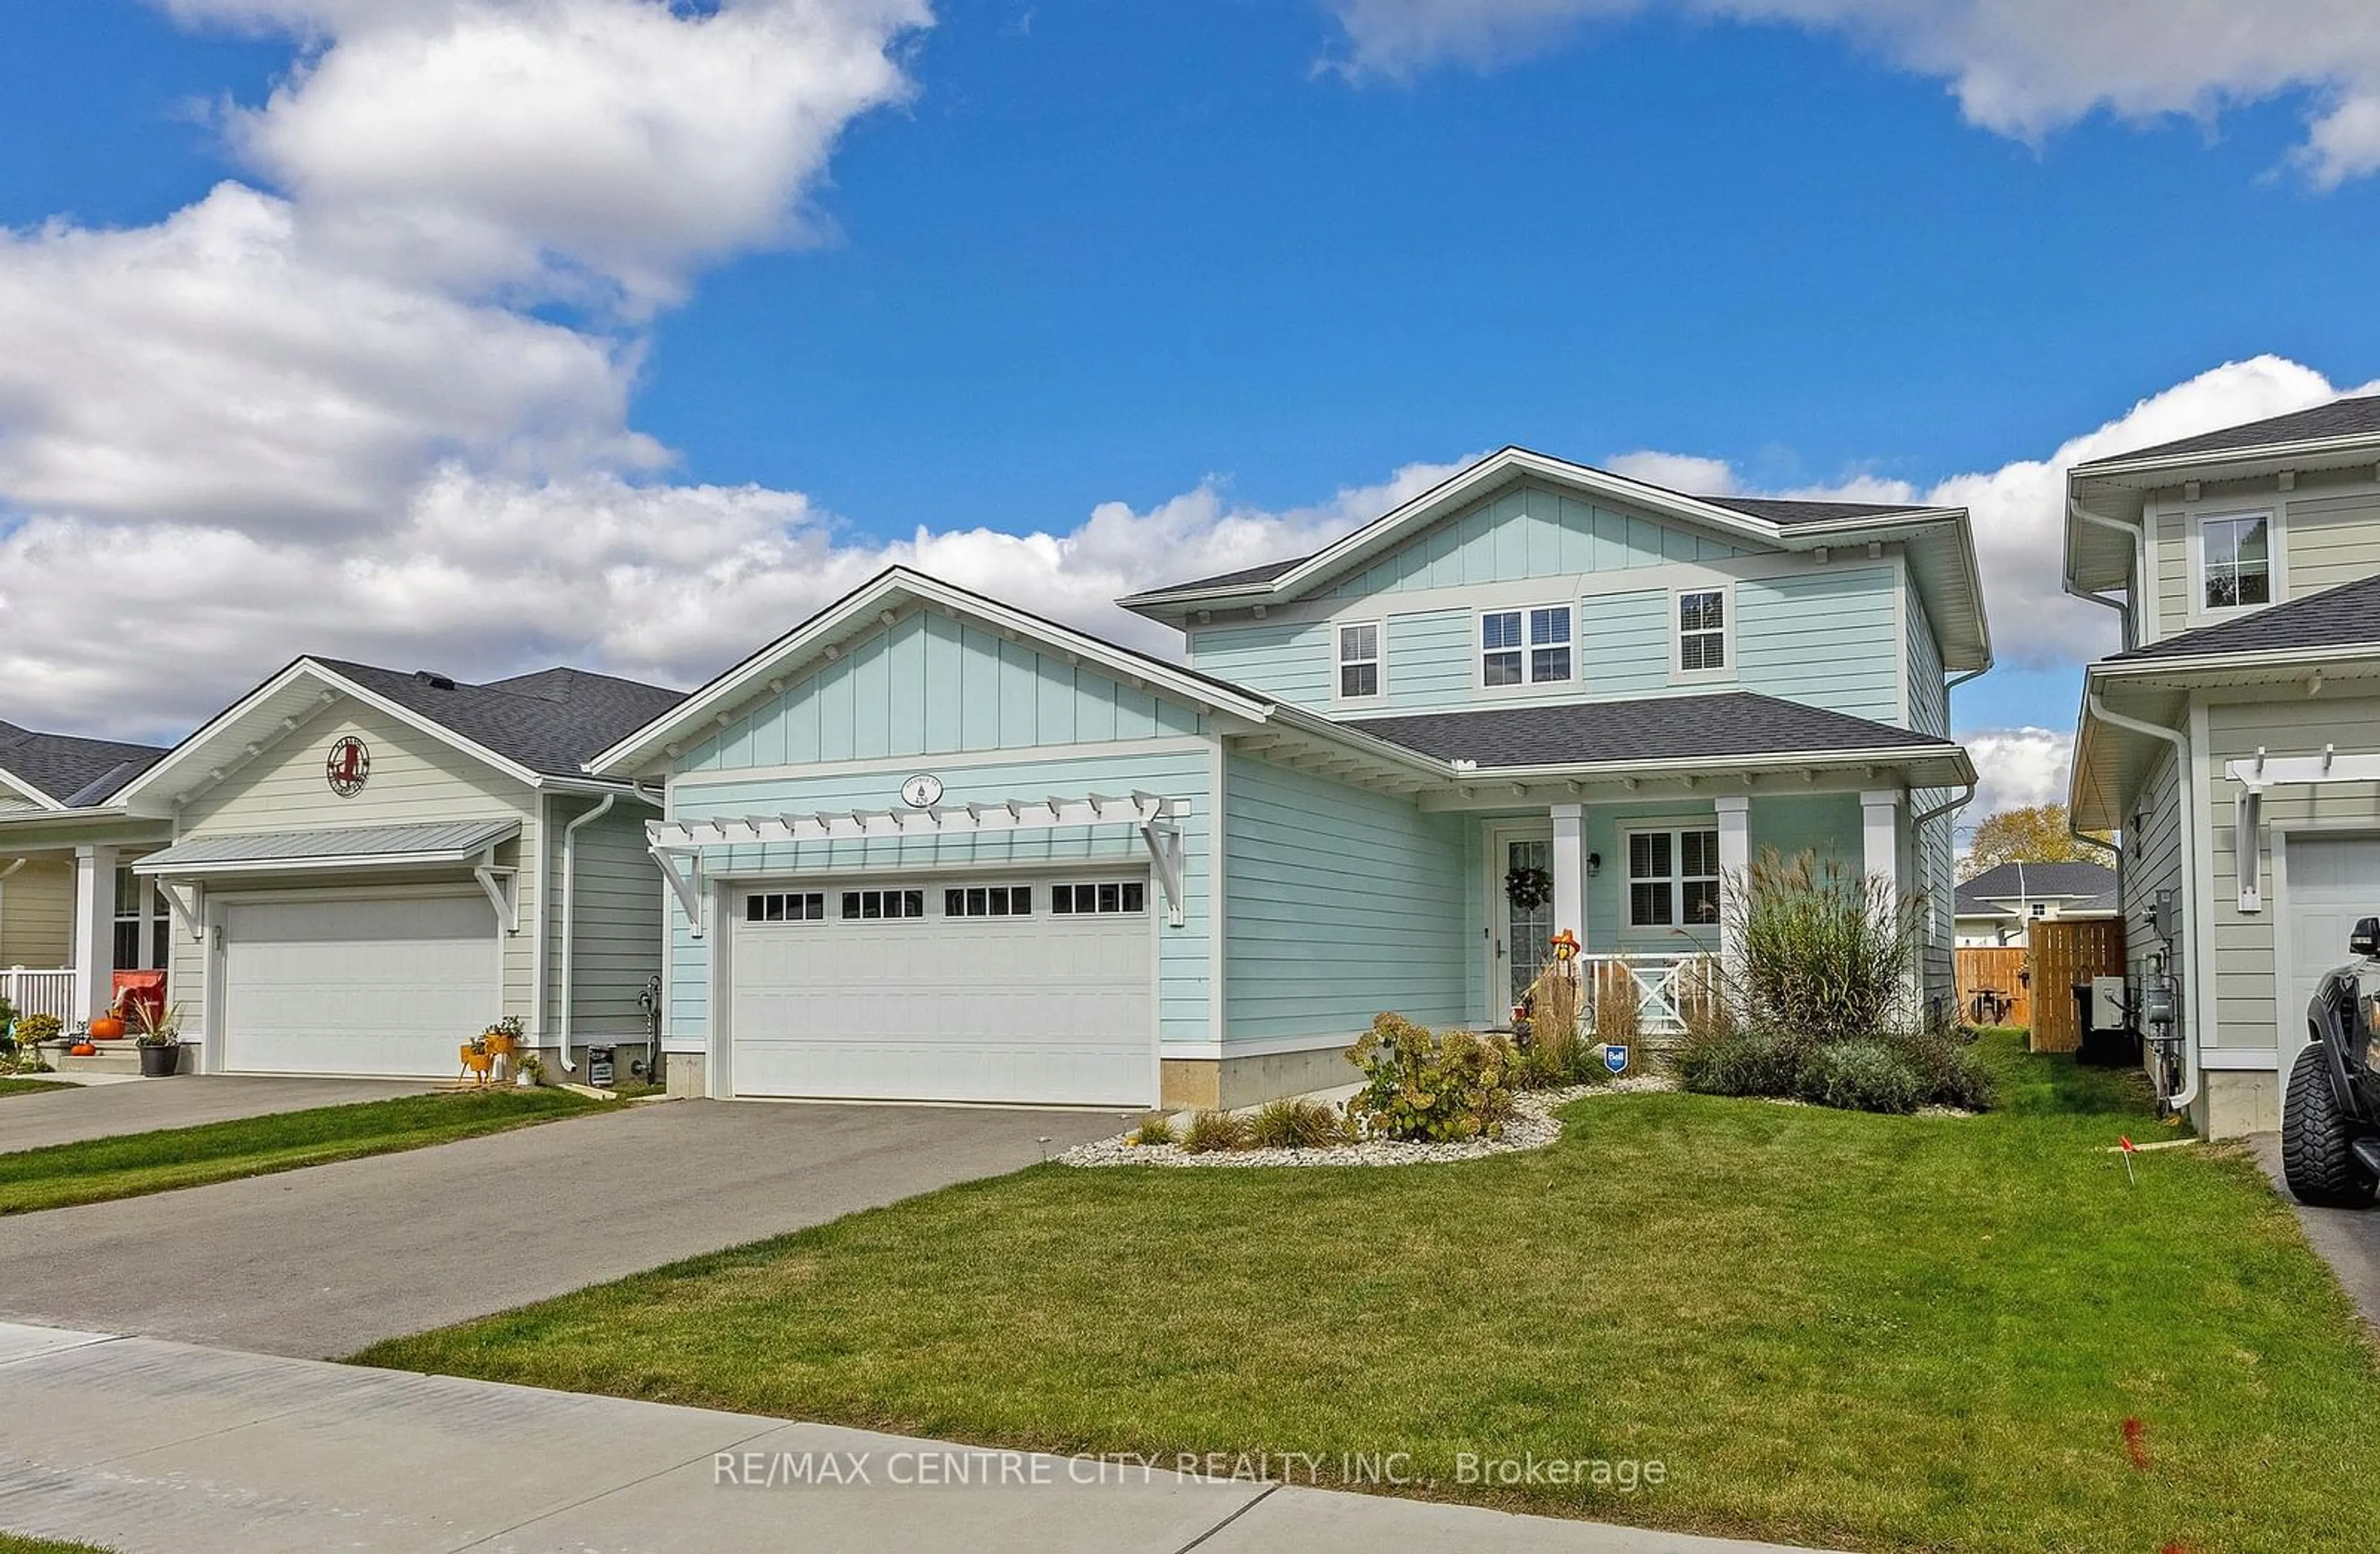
(1533, 1126)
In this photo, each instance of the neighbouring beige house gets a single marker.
(352, 870)
(2235, 741)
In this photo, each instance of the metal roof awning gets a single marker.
(183, 870)
(1152, 813)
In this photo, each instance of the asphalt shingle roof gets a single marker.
(1675, 727)
(550, 722)
(2083, 881)
(2340, 418)
(2346, 617)
(77, 772)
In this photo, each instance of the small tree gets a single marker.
(1821, 953)
(2038, 834)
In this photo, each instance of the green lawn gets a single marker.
(1874, 1333)
(13, 1085)
(129, 1164)
(15, 1543)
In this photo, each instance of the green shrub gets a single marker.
(1421, 1084)
(1294, 1124)
(1860, 1076)
(39, 1030)
(1155, 1129)
(1211, 1131)
(1821, 950)
(1952, 1072)
(1722, 1062)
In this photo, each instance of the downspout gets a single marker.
(569, 900)
(2195, 995)
(2138, 534)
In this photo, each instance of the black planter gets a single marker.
(156, 1062)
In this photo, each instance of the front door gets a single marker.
(1518, 931)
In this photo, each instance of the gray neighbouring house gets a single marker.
(1998, 907)
(2234, 742)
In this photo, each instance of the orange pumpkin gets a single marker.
(82, 1050)
(107, 1028)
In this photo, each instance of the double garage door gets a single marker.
(1025, 989)
(387, 984)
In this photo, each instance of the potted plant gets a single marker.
(160, 1040)
(530, 1071)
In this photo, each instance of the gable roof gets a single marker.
(875, 603)
(2339, 419)
(1939, 541)
(62, 772)
(2081, 880)
(1720, 724)
(2345, 616)
(536, 728)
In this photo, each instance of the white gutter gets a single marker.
(2138, 534)
(2195, 994)
(1965, 797)
(569, 900)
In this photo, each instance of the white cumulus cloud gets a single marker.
(2016, 768)
(2018, 67)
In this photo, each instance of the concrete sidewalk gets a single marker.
(150, 1447)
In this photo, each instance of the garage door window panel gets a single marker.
(785, 907)
(988, 901)
(1108, 896)
(876, 906)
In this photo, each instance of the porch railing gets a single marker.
(1666, 987)
(40, 993)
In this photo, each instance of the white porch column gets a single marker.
(1570, 869)
(1880, 833)
(95, 930)
(1734, 858)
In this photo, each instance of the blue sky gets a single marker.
(1226, 269)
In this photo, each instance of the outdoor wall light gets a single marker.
(1593, 865)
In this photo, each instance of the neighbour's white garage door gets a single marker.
(2332, 882)
(377, 984)
(981, 989)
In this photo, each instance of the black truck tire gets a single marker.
(2318, 1138)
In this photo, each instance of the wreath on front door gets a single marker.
(1528, 889)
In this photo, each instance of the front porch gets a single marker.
(72, 916)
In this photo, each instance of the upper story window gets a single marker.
(1672, 878)
(2235, 561)
(1359, 660)
(1526, 646)
(1701, 630)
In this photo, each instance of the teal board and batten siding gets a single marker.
(930, 684)
(1530, 531)
(1176, 769)
(1339, 903)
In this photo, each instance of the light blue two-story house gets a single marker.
(929, 846)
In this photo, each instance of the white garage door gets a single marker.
(985, 990)
(379, 985)
(2331, 884)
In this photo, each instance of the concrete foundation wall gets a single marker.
(2232, 1104)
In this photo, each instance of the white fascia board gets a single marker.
(1785, 761)
(32, 794)
(2363, 444)
(448, 859)
(2357, 655)
(156, 777)
(792, 651)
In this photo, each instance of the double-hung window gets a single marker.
(1526, 646)
(1359, 660)
(2237, 560)
(1672, 878)
(1701, 630)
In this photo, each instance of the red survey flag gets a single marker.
(2125, 1142)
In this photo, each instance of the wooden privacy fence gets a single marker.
(1998, 973)
(2063, 954)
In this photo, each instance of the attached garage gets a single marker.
(371, 984)
(2332, 882)
(1012, 988)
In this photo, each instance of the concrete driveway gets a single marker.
(322, 1261)
(2348, 1238)
(67, 1116)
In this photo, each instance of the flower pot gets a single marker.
(107, 1028)
(156, 1062)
